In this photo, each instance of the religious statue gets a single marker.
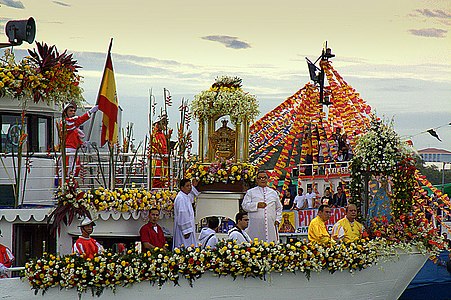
(159, 153)
(223, 142)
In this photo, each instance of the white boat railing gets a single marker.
(15, 269)
(41, 173)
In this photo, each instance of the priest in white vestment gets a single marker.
(184, 226)
(265, 210)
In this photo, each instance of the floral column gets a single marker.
(246, 140)
(211, 130)
(201, 140)
(238, 142)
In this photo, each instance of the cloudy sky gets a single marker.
(397, 54)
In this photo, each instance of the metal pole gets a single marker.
(91, 123)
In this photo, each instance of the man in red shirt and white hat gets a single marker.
(85, 244)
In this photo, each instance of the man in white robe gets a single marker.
(184, 226)
(265, 210)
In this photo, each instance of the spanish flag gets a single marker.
(108, 103)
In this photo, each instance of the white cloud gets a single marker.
(429, 32)
(13, 3)
(435, 13)
(228, 41)
(61, 3)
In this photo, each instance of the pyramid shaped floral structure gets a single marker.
(281, 131)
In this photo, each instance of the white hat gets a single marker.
(70, 104)
(86, 221)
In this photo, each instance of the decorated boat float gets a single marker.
(296, 143)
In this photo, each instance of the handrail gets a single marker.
(43, 175)
(15, 269)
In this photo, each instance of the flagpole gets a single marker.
(91, 124)
(149, 163)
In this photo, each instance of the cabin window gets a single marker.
(43, 134)
(38, 128)
(11, 126)
(31, 240)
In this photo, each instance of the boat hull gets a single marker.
(387, 280)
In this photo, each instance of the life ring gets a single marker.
(13, 134)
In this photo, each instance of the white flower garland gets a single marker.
(225, 97)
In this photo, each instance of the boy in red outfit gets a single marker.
(85, 244)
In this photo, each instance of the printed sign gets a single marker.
(297, 222)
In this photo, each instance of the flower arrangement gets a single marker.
(256, 259)
(403, 186)
(73, 202)
(129, 199)
(224, 172)
(45, 75)
(380, 152)
(70, 205)
(225, 97)
(406, 230)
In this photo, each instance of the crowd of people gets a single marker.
(259, 218)
(312, 199)
(335, 149)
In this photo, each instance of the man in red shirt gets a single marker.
(85, 244)
(152, 234)
(6, 259)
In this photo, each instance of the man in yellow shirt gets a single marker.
(317, 230)
(348, 229)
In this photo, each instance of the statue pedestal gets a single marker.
(216, 203)
(237, 187)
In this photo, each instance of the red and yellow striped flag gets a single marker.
(108, 103)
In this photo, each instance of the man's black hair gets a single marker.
(213, 222)
(322, 207)
(183, 182)
(239, 216)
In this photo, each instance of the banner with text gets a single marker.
(297, 222)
